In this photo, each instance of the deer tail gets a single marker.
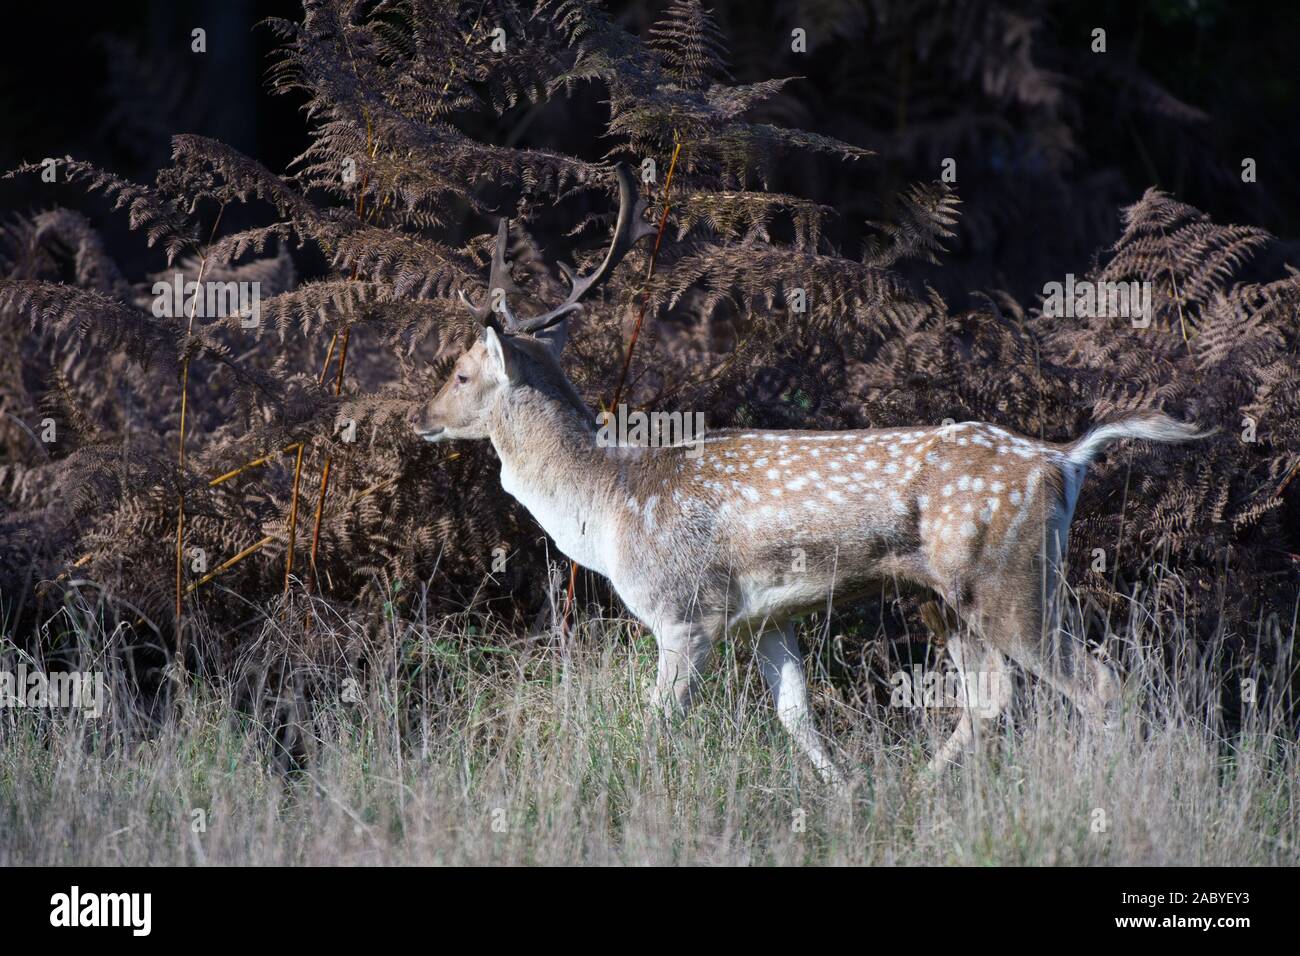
(1152, 426)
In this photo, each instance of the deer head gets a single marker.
(514, 351)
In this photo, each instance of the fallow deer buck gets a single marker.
(698, 542)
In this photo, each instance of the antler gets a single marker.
(499, 283)
(629, 230)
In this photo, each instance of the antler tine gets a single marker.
(498, 278)
(629, 230)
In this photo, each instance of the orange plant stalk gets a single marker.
(264, 541)
(645, 291)
(180, 505)
(236, 472)
(293, 519)
(325, 472)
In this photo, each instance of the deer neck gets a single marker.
(551, 464)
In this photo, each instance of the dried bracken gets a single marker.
(754, 316)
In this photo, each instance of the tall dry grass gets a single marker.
(435, 742)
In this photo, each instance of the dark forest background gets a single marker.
(1119, 166)
(1047, 153)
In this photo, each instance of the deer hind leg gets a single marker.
(781, 664)
(1066, 664)
(1093, 685)
(1017, 626)
(684, 649)
(986, 699)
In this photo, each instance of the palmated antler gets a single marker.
(629, 230)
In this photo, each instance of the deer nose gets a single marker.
(414, 415)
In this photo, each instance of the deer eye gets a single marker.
(461, 379)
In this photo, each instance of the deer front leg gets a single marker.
(965, 731)
(684, 650)
(782, 666)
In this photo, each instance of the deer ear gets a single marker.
(500, 357)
